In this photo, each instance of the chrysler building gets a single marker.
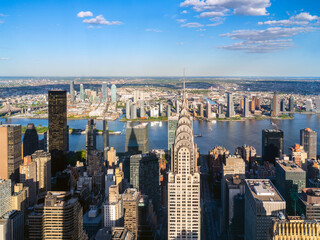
(184, 211)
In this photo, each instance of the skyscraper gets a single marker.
(133, 111)
(137, 138)
(290, 180)
(283, 105)
(82, 93)
(168, 110)
(291, 104)
(28, 176)
(184, 211)
(128, 109)
(131, 199)
(104, 92)
(5, 196)
(43, 161)
(209, 111)
(72, 93)
(58, 129)
(230, 111)
(308, 139)
(113, 93)
(275, 105)
(246, 107)
(62, 217)
(272, 144)
(30, 140)
(91, 137)
(113, 208)
(262, 203)
(105, 133)
(10, 154)
(309, 203)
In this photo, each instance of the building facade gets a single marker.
(272, 144)
(184, 211)
(308, 139)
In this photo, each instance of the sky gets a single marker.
(160, 38)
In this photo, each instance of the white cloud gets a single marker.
(184, 12)
(181, 20)
(238, 7)
(100, 20)
(1, 22)
(153, 30)
(261, 41)
(3, 58)
(216, 21)
(260, 46)
(301, 19)
(305, 16)
(3, 15)
(180, 43)
(201, 30)
(83, 14)
(192, 25)
(211, 14)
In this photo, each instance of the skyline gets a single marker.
(159, 38)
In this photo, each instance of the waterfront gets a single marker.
(229, 134)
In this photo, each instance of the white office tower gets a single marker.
(113, 208)
(309, 105)
(184, 211)
(262, 203)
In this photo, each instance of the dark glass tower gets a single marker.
(272, 144)
(58, 129)
(105, 140)
(30, 140)
(91, 139)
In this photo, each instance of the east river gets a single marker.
(229, 134)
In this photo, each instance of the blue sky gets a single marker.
(160, 38)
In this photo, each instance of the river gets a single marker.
(229, 134)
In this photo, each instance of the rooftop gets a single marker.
(289, 166)
(263, 190)
(131, 194)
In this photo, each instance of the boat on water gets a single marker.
(198, 135)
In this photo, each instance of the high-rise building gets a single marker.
(30, 140)
(58, 129)
(43, 163)
(283, 105)
(62, 217)
(137, 138)
(104, 92)
(184, 211)
(169, 110)
(12, 225)
(272, 144)
(91, 137)
(20, 197)
(232, 166)
(10, 154)
(113, 93)
(145, 176)
(308, 139)
(209, 111)
(5, 196)
(294, 228)
(275, 105)
(35, 222)
(131, 199)
(234, 206)
(230, 106)
(113, 208)
(248, 153)
(105, 134)
(133, 111)
(28, 176)
(290, 181)
(309, 105)
(262, 203)
(201, 110)
(82, 93)
(291, 104)
(172, 127)
(128, 109)
(299, 156)
(142, 110)
(246, 107)
(111, 157)
(309, 203)
(72, 92)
